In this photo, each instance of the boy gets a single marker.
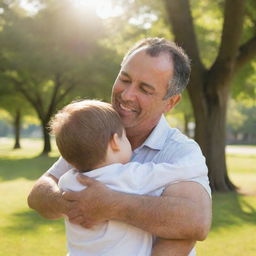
(91, 137)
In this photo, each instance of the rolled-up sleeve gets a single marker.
(60, 167)
(190, 155)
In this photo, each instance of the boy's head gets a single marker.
(86, 130)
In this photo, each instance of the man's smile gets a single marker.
(126, 108)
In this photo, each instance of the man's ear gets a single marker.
(115, 143)
(172, 102)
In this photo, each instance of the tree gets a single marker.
(15, 105)
(48, 63)
(209, 87)
(185, 110)
(227, 42)
(241, 121)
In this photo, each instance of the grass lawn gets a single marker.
(24, 233)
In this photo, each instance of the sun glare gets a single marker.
(103, 8)
(32, 7)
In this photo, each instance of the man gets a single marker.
(152, 76)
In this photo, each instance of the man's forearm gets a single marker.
(164, 247)
(185, 214)
(161, 216)
(45, 198)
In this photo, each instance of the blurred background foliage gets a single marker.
(52, 52)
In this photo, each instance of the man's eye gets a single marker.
(145, 91)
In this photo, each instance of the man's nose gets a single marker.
(129, 93)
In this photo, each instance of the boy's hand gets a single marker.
(92, 205)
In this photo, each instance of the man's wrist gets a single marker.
(61, 205)
(117, 206)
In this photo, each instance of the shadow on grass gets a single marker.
(29, 168)
(232, 209)
(30, 221)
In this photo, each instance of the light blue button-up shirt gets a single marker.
(169, 145)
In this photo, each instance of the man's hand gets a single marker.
(92, 205)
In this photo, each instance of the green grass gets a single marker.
(234, 215)
(242, 164)
(242, 171)
(233, 228)
(24, 232)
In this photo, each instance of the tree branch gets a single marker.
(20, 88)
(179, 15)
(30, 99)
(231, 35)
(57, 97)
(247, 52)
(53, 103)
(66, 92)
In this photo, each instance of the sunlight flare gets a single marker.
(103, 8)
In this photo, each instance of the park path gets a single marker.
(241, 150)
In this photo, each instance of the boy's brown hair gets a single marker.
(83, 130)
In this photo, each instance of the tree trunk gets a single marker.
(47, 140)
(210, 133)
(17, 125)
(208, 89)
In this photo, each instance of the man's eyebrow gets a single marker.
(125, 74)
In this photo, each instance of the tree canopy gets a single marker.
(55, 60)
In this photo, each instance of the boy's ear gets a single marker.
(172, 102)
(114, 142)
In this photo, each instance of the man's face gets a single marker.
(139, 89)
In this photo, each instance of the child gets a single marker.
(90, 136)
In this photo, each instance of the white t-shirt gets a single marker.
(165, 145)
(116, 238)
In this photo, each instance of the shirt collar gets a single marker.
(157, 137)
